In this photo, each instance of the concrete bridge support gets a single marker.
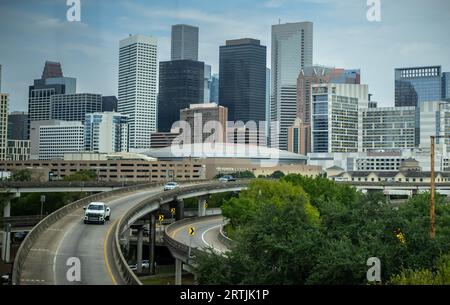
(139, 249)
(202, 206)
(6, 234)
(152, 243)
(178, 271)
(179, 213)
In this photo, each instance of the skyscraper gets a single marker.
(242, 80)
(52, 82)
(106, 132)
(3, 124)
(18, 125)
(74, 107)
(184, 42)
(181, 83)
(416, 85)
(318, 75)
(0, 78)
(137, 87)
(335, 124)
(446, 85)
(207, 84)
(292, 50)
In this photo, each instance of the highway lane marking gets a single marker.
(57, 250)
(105, 252)
(56, 230)
(204, 240)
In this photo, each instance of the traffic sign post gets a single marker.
(161, 218)
(173, 211)
(42, 205)
(191, 232)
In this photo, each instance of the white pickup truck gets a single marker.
(97, 212)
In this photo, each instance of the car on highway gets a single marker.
(97, 212)
(227, 178)
(145, 265)
(170, 186)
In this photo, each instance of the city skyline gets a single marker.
(335, 25)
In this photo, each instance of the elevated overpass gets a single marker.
(43, 256)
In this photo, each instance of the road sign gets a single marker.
(42, 198)
(192, 231)
(206, 205)
(161, 218)
(173, 211)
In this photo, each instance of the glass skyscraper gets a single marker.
(414, 86)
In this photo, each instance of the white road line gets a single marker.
(203, 237)
(57, 250)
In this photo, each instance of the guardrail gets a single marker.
(57, 215)
(225, 239)
(156, 201)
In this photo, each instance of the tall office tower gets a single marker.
(0, 78)
(268, 91)
(52, 82)
(56, 138)
(292, 51)
(335, 118)
(106, 132)
(137, 87)
(319, 75)
(18, 125)
(207, 84)
(299, 137)
(109, 104)
(214, 90)
(74, 107)
(18, 150)
(184, 42)
(388, 128)
(3, 124)
(242, 81)
(206, 117)
(416, 85)
(181, 83)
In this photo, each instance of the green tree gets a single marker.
(22, 175)
(82, 176)
(277, 175)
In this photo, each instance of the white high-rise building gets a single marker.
(335, 119)
(58, 138)
(137, 88)
(435, 121)
(106, 132)
(292, 50)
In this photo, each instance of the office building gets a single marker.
(208, 123)
(181, 83)
(446, 85)
(299, 137)
(214, 89)
(109, 104)
(0, 78)
(18, 150)
(39, 94)
(319, 75)
(18, 125)
(106, 132)
(4, 100)
(335, 117)
(74, 107)
(137, 87)
(184, 42)
(388, 128)
(242, 80)
(435, 121)
(58, 138)
(292, 51)
(416, 85)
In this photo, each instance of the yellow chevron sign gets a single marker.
(192, 231)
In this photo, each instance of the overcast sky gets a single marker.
(411, 33)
